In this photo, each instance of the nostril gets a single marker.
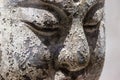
(75, 0)
(82, 59)
(65, 65)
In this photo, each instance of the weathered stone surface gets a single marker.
(51, 39)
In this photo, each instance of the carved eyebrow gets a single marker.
(90, 14)
(59, 13)
(89, 4)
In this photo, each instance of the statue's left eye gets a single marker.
(94, 15)
(92, 23)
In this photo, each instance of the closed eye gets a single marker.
(44, 31)
(51, 29)
(38, 4)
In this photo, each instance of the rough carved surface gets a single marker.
(51, 39)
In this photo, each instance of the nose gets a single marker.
(75, 54)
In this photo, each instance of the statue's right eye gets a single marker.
(49, 29)
(45, 26)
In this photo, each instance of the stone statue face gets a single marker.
(58, 35)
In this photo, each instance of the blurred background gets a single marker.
(111, 69)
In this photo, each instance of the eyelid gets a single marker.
(58, 12)
(96, 18)
(39, 30)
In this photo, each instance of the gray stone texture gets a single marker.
(51, 39)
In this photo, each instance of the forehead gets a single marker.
(67, 5)
(70, 7)
(55, 1)
(62, 3)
